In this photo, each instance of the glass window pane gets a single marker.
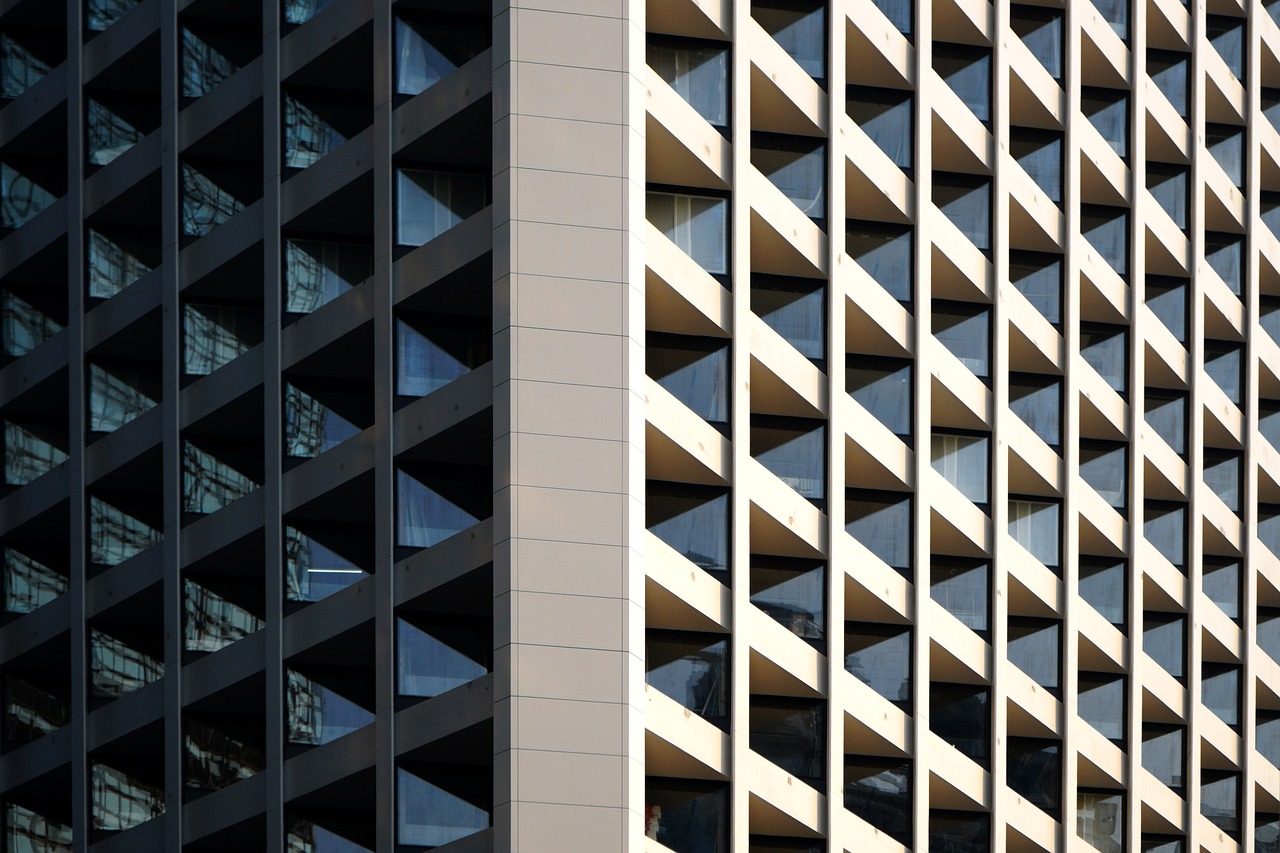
(1165, 526)
(885, 253)
(205, 205)
(959, 832)
(694, 370)
(961, 589)
(1038, 277)
(1163, 637)
(1220, 800)
(21, 198)
(311, 427)
(109, 135)
(1035, 772)
(967, 70)
(1226, 143)
(213, 335)
(687, 816)
(793, 593)
(1222, 469)
(428, 814)
(120, 801)
(425, 516)
(692, 669)
(966, 201)
(427, 51)
(1105, 349)
(1168, 71)
(317, 272)
(698, 73)
(1100, 820)
(960, 714)
(1035, 526)
(432, 659)
(312, 570)
(1163, 748)
(301, 11)
(115, 536)
(20, 68)
(1100, 703)
(1105, 467)
(23, 327)
(882, 523)
(1166, 413)
(1167, 299)
(29, 584)
(698, 225)
(797, 167)
(1168, 186)
(883, 387)
(879, 792)
(965, 330)
(880, 657)
(964, 461)
(203, 66)
(1108, 111)
(1037, 401)
(1107, 230)
(1041, 31)
(791, 734)
(1221, 584)
(1227, 37)
(885, 116)
(1040, 154)
(208, 483)
(1103, 586)
(307, 136)
(315, 714)
(796, 309)
(694, 521)
(800, 29)
(431, 352)
(1220, 691)
(1115, 13)
(795, 451)
(1222, 363)
(430, 203)
(1035, 647)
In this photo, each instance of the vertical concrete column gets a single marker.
(568, 425)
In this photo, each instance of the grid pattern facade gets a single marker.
(686, 426)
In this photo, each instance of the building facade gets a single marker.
(593, 425)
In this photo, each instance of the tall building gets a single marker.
(689, 426)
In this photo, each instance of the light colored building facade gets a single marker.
(591, 425)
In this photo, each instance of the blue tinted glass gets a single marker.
(429, 815)
(967, 203)
(883, 387)
(1222, 364)
(1035, 526)
(1162, 753)
(1222, 476)
(1162, 639)
(427, 666)
(1105, 468)
(1168, 418)
(1220, 692)
(1040, 154)
(1104, 349)
(1107, 230)
(1035, 648)
(797, 455)
(962, 592)
(964, 461)
(885, 116)
(965, 330)
(1039, 279)
(1101, 704)
(695, 371)
(880, 657)
(1108, 111)
(1221, 584)
(793, 595)
(792, 736)
(1041, 31)
(695, 522)
(795, 167)
(1168, 186)
(1167, 299)
(1220, 800)
(884, 251)
(795, 309)
(800, 32)
(1227, 37)
(1102, 585)
(1226, 143)
(693, 670)
(699, 74)
(1169, 72)
(1037, 401)
(883, 525)
(1165, 527)
(967, 71)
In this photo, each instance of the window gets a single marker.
(794, 450)
(316, 714)
(964, 461)
(1163, 753)
(885, 252)
(1222, 363)
(1168, 70)
(878, 790)
(1100, 820)
(1165, 526)
(960, 714)
(880, 657)
(698, 72)
(1034, 524)
(1269, 528)
(1115, 13)
(214, 759)
(1107, 230)
(208, 483)
(434, 350)
(435, 653)
(1168, 186)
(1220, 800)
(1269, 316)
(885, 115)
(1035, 647)
(1227, 37)
(205, 204)
(692, 669)
(301, 11)
(899, 13)
(687, 816)
(213, 335)
(120, 801)
(21, 197)
(792, 734)
(959, 832)
(1167, 299)
(1039, 152)
(795, 165)
(1041, 31)
(1104, 465)
(966, 201)
(694, 520)
(1166, 414)
(1103, 585)
(1267, 735)
(698, 225)
(960, 587)
(1101, 704)
(108, 135)
(967, 70)
(1221, 583)
(1220, 691)
(30, 450)
(1222, 470)
(316, 272)
(428, 50)
(429, 203)
(1269, 210)
(20, 68)
(1164, 640)
(116, 535)
(30, 584)
(964, 328)
(308, 137)
(694, 370)
(1038, 277)
(313, 571)
(1108, 111)
(1035, 772)
(425, 516)
(117, 668)
(881, 521)
(883, 387)
(119, 393)
(439, 806)
(1226, 143)
(793, 592)
(799, 27)
(23, 327)
(1037, 401)
(795, 308)
(101, 14)
(204, 66)
(312, 427)
(1269, 422)
(1106, 350)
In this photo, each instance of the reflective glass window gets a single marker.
(694, 370)
(1267, 833)
(204, 66)
(117, 668)
(1166, 413)
(208, 483)
(792, 734)
(960, 714)
(692, 669)
(1221, 581)
(116, 259)
(317, 272)
(1222, 362)
(425, 515)
(698, 225)
(1103, 585)
(1035, 647)
(1037, 401)
(1104, 465)
(108, 135)
(205, 205)
(430, 49)
(800, 29)
(1165, 526)
(1269, 210)
(878, 790)
(698, 72)
(961, 588)
(29, 583)
(211, 621)
(1163, 639)
(694, 520)
(881, 521)
(31, 449)
(880, 657)
(115, 535)
(429, 203)
(101, 14)
(214, 759)
(1038, 277)
(1222, 469)
(964, 461)
(1269, 317)
(793, 592)
(21, 197)
(1041, 31)
(1168, 186)
(301, 11)
(795, 165)
(433, 812)
(885, 115)
(28, 830)
(1039, 153)
(1035, 525)
(20, 68)
(884, 252)
(1035, 772)
(23, 327)
(966, 201)
(310, 426)
(1269, 633)
(316, 714)
(120, 801)
(432, 351)
(959, 832)
(964, 328)
(31, 711)
(435, 655)
(794, 450)
(1108, 111)
(1105, 349)
(686, 816)
(899, 13)
(1168, 70)
(1115, 13)
(1267, 736)
(1220, 691)
(314, 571)
(1163, 753)
(1167, 299)
(967, 70)
(1220, 800)
(1227, 37)
(1226, 143)
(1100, 703)
(1100, 820)
(308, 137)
(1107, 230)
(213, 335)
(1269, 527)
(796, 309)
(883, 387)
